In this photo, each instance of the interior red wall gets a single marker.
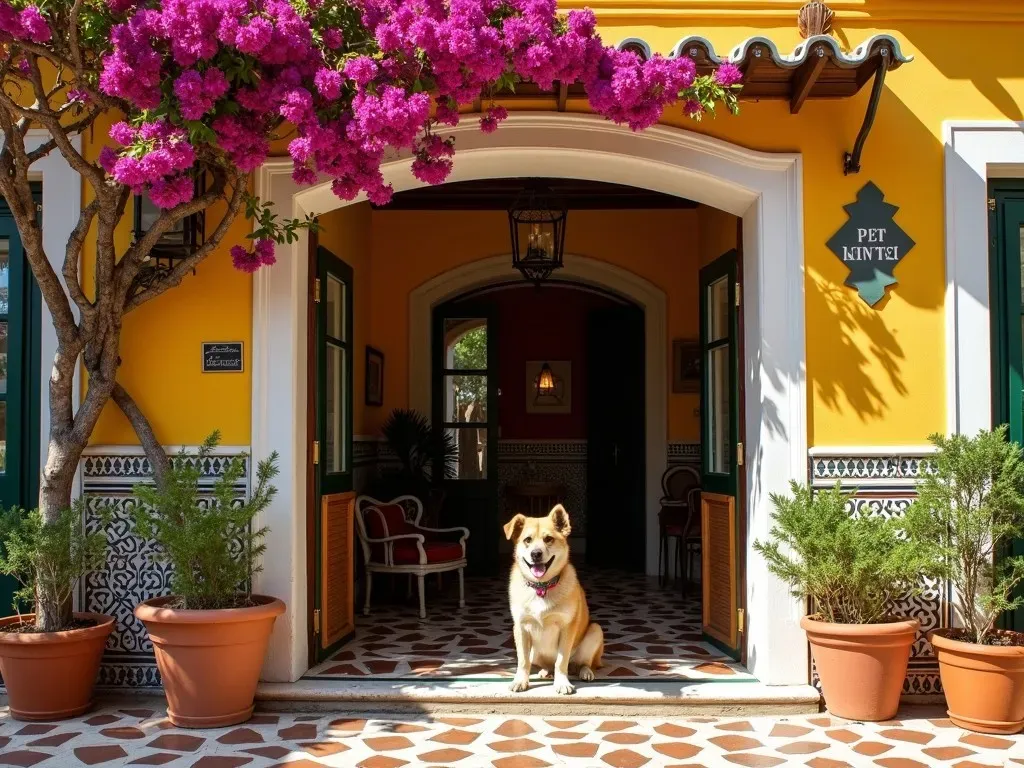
(545, 324)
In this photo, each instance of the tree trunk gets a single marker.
(56, 484)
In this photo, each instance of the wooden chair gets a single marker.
(676, 484)
(534, 499)
(692, 539)
(393, 541)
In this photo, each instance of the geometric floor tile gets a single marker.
(651, 633)
(922, 738)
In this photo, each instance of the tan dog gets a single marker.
(549, 609)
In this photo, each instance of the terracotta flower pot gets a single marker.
(984, 684)
(861, 666)
(209, 660)
(50, 675)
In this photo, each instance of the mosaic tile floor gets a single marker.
(650, 633)
(112, 736)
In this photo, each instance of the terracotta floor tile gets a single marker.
(102, 719)
(512, 728)
(179, 742)
(906, 734)
(677, 750)
(564, 724)
(456, 736)
(377, 761)
(126, 732)
(274, 751)
(627, 738)
(673, 731)
(948, 753)
(447, 755)
(564, 735)
(984, 741)
(790, 730)
(142, 714)
(156, 758)
(346, 725)
(241, 736)
(735, 743)
(323, 748)
(975, 764)
(387, 743)
(53, 740)
(827, 762)
(298, 732)
(575, 750)
(459, 722)
(736, 725)
(514, 745)
(519, 761)
(616, 725)
(35, 729)
(220, 761)
(304, 763)
(755, 761)
(844, 735)
(23, 757)
(802, 747)
(899, 762)
(871, 748)
(625, 758)
(100, 754)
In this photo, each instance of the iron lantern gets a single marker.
(545, 381)
(179, 242)
(537, 224)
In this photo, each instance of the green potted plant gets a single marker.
(211, 634)
(418, 447)
(50, 675)
(970, 507)
(853, 567)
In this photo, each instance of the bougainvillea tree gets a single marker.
(201, 88)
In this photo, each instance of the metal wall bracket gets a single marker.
(851, 160)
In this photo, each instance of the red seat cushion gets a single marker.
(386, 520)
(406, 552)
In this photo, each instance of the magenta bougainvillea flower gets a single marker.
(350, 80)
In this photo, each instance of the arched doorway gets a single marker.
(764, 189)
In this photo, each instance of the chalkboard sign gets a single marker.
(222, 357)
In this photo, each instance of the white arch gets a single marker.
(764, 189)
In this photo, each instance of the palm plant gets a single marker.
(425, 455)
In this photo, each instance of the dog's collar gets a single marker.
(542, 587)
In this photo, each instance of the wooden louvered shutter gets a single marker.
(337, 577)
(718, 557)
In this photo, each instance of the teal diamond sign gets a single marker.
(870, 244)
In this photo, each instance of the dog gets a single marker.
(552, 624)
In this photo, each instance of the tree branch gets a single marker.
(144, 431)
(73, 256)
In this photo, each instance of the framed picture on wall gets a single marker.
(685, 366)
(374, 376)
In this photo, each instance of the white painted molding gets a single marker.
(62, 205)
(867, 451)
(763, 188)
(975, 151)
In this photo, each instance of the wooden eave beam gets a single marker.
(805, 79)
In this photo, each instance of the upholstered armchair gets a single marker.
(393, 541)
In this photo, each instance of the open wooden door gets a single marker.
(334, 603)
(722, 453)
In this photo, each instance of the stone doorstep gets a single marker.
(638, 699)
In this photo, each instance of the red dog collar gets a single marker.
(542, 587)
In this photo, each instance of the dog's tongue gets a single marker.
(538, 570)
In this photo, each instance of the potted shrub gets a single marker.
(970, 507)
(50, 674)
(210, 635)
(853, 567)
(418, 447)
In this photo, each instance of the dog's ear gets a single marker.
(514, 527)
(560, 519)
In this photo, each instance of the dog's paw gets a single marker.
(544, 674)
(586, 674)
(520, 683)
(564, 687)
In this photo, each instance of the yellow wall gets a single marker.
(875, 375)
(346, 234)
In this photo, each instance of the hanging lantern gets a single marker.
(545, 381)
(179, 242)
(537, 223)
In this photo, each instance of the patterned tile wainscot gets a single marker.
(132, 574)
(884, 481)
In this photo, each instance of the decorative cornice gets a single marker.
(774, 11)
(800, 54)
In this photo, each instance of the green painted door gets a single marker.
(465, 394)
(1006, 238)
(722, 457)
(334, 616)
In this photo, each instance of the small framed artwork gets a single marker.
(685, 366)
(374, 376)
